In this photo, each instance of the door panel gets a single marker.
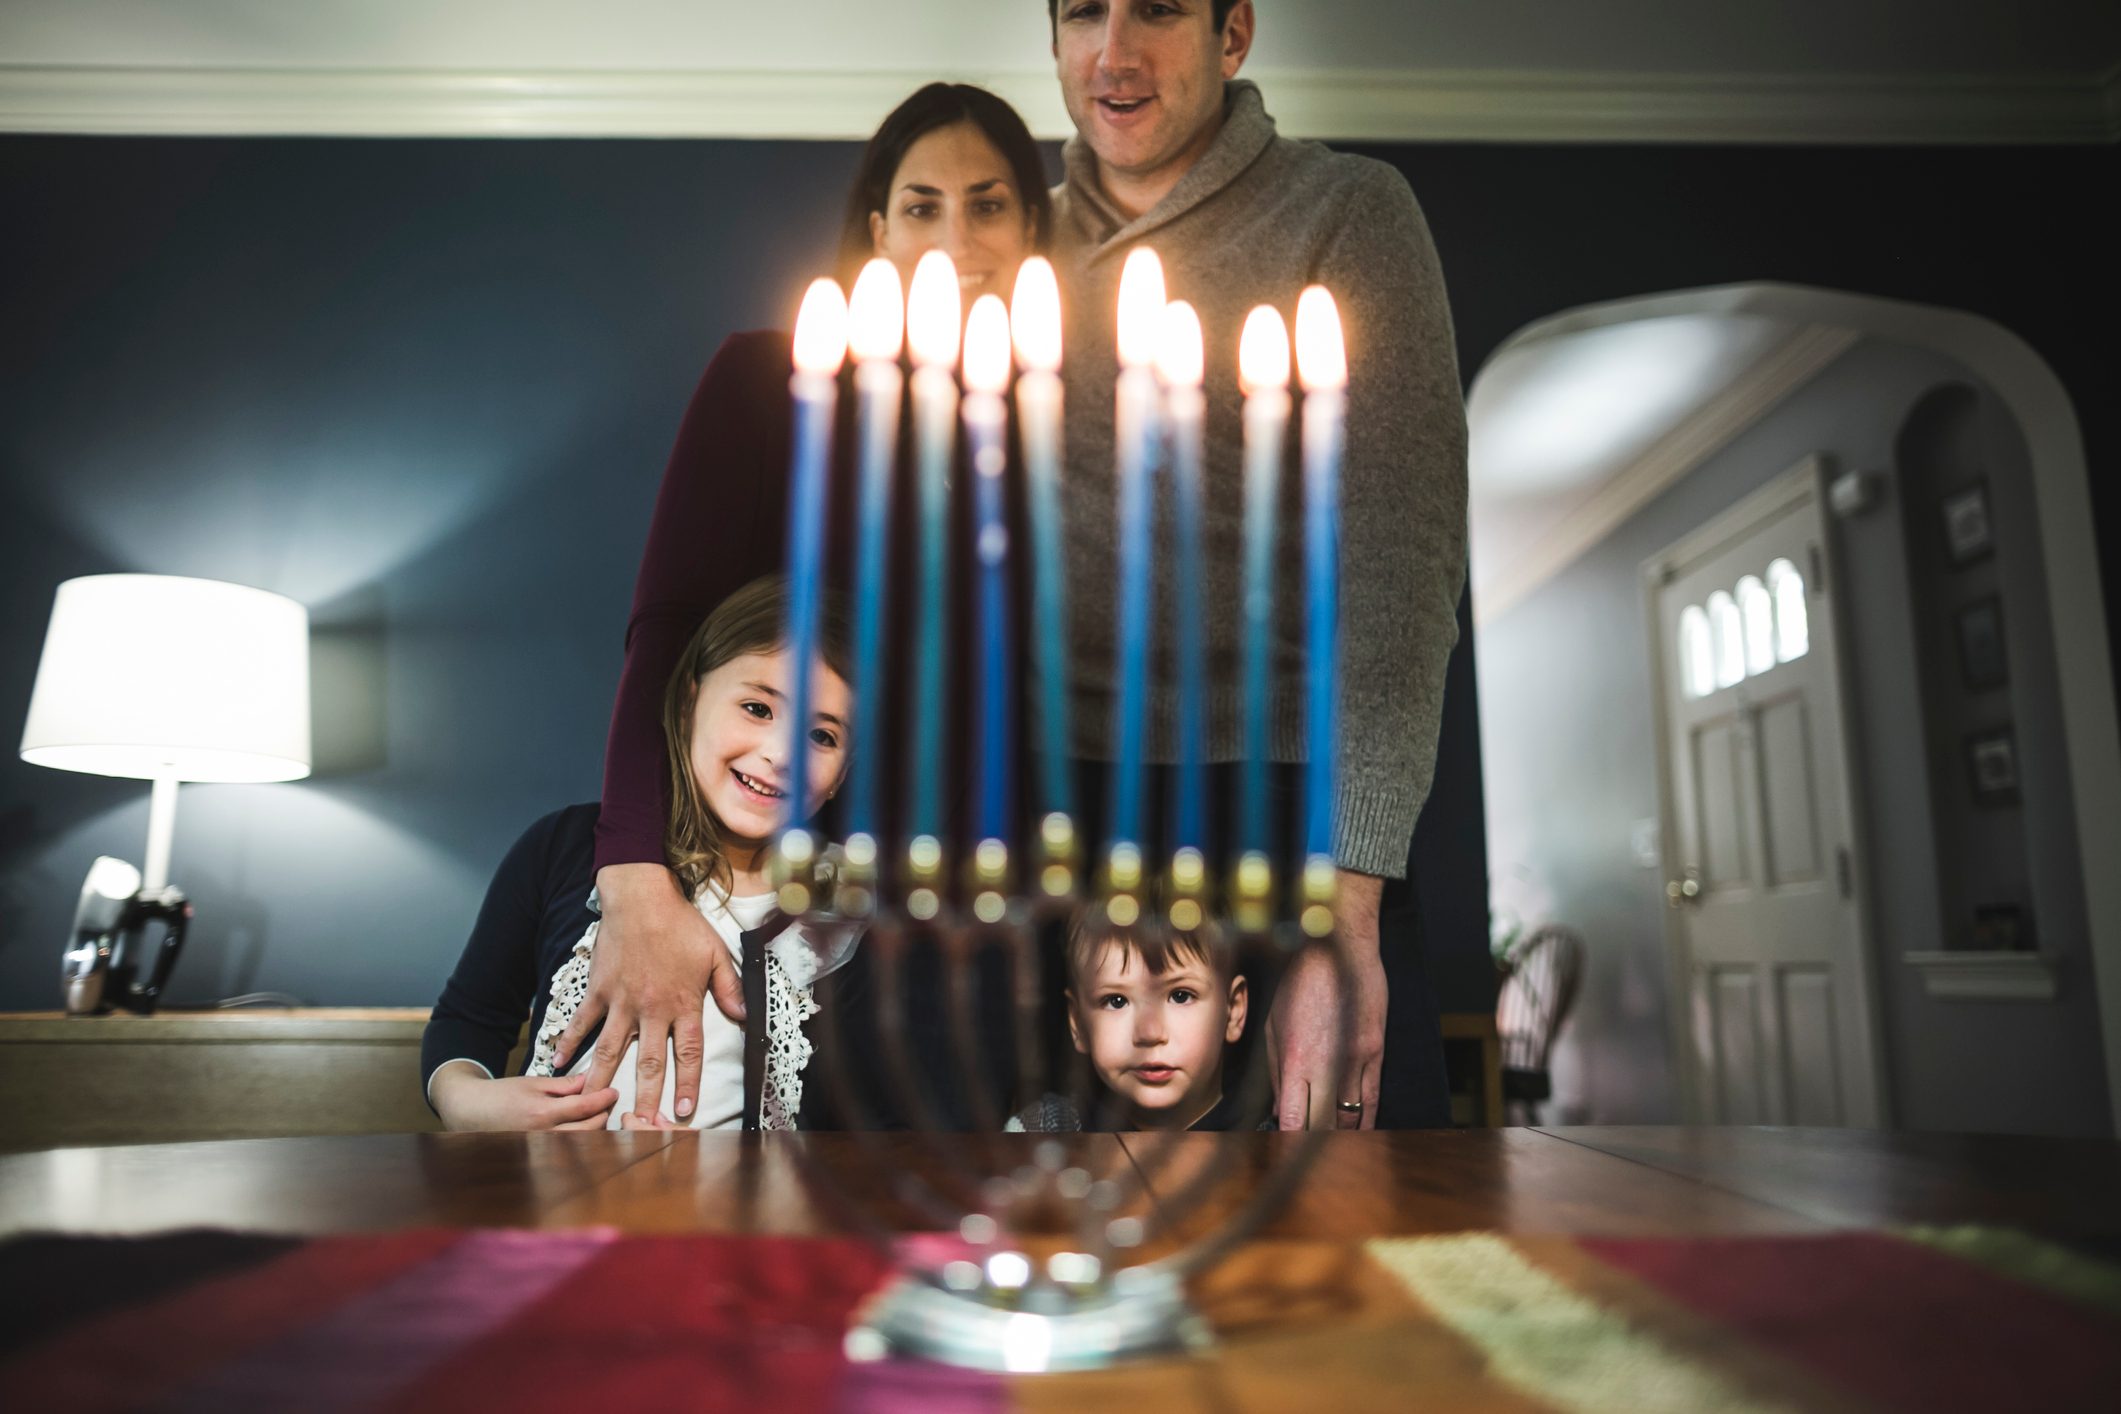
(1788, 799)
(1812, 1072)
(1718, 780)
(1736, 1002)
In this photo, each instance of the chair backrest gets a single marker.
(1545, 971)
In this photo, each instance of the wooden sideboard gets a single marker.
(121, 1079)
(257, 1074)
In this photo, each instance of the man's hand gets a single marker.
(656, 959)
(466, 1097)
(1307, 1009)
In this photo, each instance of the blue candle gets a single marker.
(1263, 366)
(1322, 362)
(1179, 355)
(1035, 321)
(986, 440)
(876, 316)
(1141, 304)
(820, 349)
(933, 308)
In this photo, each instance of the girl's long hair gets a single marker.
(752, 620)
(932, 107)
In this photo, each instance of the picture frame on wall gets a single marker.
(1969, 533)
(1984, 663)
(1992, 766)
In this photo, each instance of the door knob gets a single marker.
(1680, 891)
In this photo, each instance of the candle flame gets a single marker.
(987, 346)
(1179, 356)
(934, 311)
(821, 328)
(1263, 352)
(876, 312)
(1141, 307)
(1035, 316)
(1321, 355)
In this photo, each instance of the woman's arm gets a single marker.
(717, 526)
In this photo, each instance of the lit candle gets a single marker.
(986, 437)
(1179, 363)
(876, 316)
(1322, 364)
(933, 312)
(820, 349)
(1263, 368)
(1141, 307)
(1035, 320)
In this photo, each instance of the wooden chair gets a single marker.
(1541, 976)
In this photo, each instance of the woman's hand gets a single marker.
(468, 1098)
(656, 960)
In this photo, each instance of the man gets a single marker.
(1172, 151)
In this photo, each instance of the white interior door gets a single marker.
(1765, 925)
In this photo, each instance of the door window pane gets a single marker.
(1793, 629)
(1697, 660)
(1759, 612)
(1729, 634)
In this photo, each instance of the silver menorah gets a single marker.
(1005, 1295)
(1047, 1263)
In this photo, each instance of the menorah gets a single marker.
(1049, 1264)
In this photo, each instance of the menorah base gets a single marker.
(1140, 1313)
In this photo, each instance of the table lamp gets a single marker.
(164, 679)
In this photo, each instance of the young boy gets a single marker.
(1154, 1012)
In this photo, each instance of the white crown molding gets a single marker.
(1737, 406)
(1348, 105)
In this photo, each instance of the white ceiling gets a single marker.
(1572, 427)
(1862, 69)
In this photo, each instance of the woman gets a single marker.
(955, 169)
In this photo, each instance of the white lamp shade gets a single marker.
(155, 676)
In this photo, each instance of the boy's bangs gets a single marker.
(1160, 948)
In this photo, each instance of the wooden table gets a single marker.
(1535, 1306)
(1591, 1181)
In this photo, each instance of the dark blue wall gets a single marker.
(427, 388)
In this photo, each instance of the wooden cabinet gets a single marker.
(120, 1079)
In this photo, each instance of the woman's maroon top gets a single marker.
(721, 521)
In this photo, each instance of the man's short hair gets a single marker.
(1222, 13)
(1160, 948)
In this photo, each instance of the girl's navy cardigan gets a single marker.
(536, 910)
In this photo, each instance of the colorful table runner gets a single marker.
(432, 1320)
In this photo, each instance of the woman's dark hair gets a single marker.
(941, 105)
(1222, 13)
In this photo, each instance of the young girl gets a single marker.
(729, 746)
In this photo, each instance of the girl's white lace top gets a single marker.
(788, 1006)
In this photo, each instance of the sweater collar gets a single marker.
(1247, 131)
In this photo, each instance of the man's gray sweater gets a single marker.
(1253, 222)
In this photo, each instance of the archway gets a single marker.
(2036, 400)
